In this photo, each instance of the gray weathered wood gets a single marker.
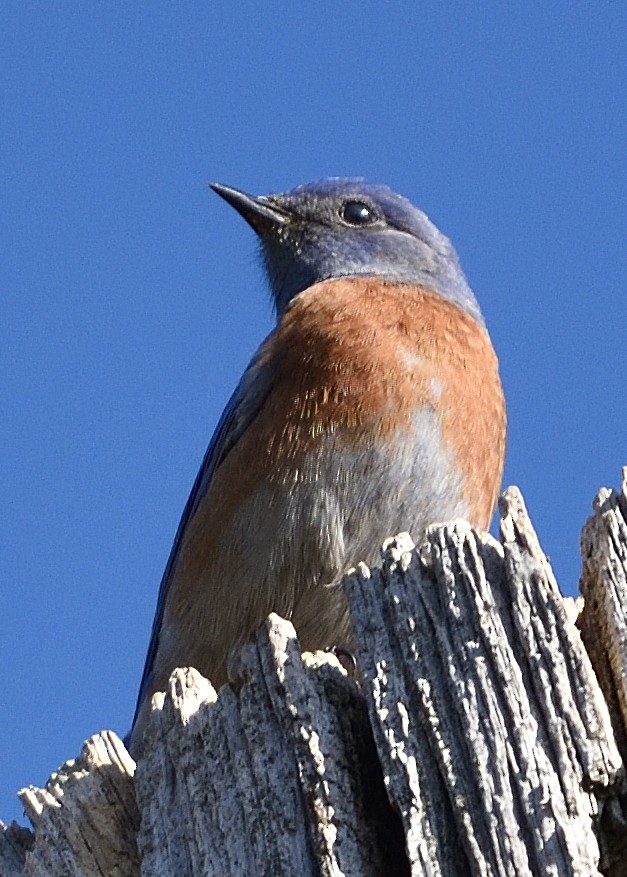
(603, 623)
(603, 585)
(85, 820)
(15, 841)
(477, 741)
(495, 695)
(249, 772)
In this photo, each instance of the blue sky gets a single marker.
(132, 296)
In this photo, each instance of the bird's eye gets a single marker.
(357, 213)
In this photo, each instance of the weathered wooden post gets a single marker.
(484, 736)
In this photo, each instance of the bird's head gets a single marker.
(344, 228)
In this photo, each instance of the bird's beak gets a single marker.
(258, 212)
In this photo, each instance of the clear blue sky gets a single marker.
(132, 297)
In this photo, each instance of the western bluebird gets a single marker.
(374, 406)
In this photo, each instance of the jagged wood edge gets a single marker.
(603, 625)
(322, 712)
(432, 664)
(52, 810)
(287, 775)
(415, 785)
(197, 787)
(85, 820)
(603, 584)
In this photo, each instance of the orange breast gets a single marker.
(358, 356)
(354, 360)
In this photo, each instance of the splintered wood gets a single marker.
(493, 734)
(86, 819)
(475, 738)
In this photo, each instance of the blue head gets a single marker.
(343, 228)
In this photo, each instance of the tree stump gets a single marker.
(483, 733)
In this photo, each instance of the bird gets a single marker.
(374, 406)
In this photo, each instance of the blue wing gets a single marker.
(241, 409)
